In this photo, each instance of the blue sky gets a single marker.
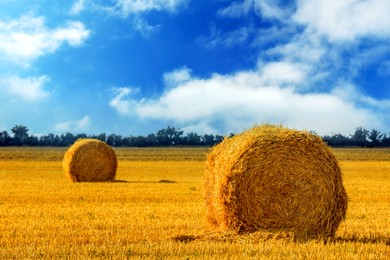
(133, 67)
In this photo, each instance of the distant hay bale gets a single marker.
(275, 179)
(90, 160)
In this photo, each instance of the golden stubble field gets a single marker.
(155, 210)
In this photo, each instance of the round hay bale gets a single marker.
(90, 160)
(275, 179)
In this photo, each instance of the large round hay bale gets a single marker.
(90, 160)
(275, 179)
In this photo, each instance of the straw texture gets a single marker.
(90, 160)
(276, 179)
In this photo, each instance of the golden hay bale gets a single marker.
(275, 179)
(90, 160)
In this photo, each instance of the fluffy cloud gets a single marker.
(345, 20)
(128, 7)
(28, 89)
(177, 77)
(73, 125)
(27, 38)
(121, 103)
(296, 82)
(282, 73)
(270, 9)
(143, 27)
(77, 7)
(237, 9)
(337, 20)
(234, 102)
(137, 8)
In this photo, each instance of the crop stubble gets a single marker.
(42, 215)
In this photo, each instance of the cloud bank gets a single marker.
(28, 38)
(232, 103)
(345, 20)
(303, 82)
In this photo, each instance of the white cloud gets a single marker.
(270, 9)
(233, 102)
(297, 82)
(177, 77)
(237, 9)
(27, 38)
(73, 125)
(352, 94)
(74, 33)
(136, 10)
(77, 7)
(143, 27)
(345, 20)
(305, 47)
(128, 7)
(120, 103)
(28, 89)
(282, 73)
(83, 123)
(337, 20)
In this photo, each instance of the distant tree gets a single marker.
(5, 139)
(51, 140)
(68, 139)
(32, 141)
(174, 136)
(139, 141)
(208, 139)
(102, 137)
(44, 140)
(79, 136)
(337, 140)
(385, 142)
(193, 139)
(218, 139)
(111, 139)
(20, 134)
(360, 137)
(118, 140)
(375, 138)
(151, 140)
(57, 141)
(169, 136)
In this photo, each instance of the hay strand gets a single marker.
(276, 179)
(90, 160)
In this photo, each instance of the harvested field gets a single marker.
(155, 210)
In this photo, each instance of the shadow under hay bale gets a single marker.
(275, 179)
(90, 160)
(184, 238)
(166, 181)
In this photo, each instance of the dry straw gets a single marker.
(275, 179)
(90, 160)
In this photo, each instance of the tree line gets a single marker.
(171, 136)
